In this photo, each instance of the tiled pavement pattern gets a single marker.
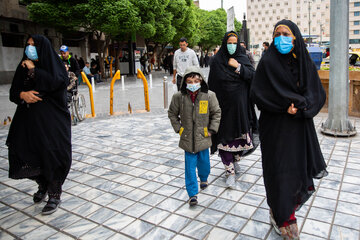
(127, 182)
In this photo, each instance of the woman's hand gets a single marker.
(30, 97)
(28, 63)
(292, 110)
(232, 62)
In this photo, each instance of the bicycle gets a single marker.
(76, 105)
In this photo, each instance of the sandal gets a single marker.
(193, 201)
(39, 196)
(51, 206)
(290, 232)
(204, 185)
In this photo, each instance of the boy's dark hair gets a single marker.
(87, 63)
(266, 44)
(183, 40)
(192, 75)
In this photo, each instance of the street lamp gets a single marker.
(222, 4)
(309, 8)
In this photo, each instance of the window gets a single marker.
(353, 41)
(356, 13)
(13, 40)
(356, 22)
(356, 31)
(356, 4)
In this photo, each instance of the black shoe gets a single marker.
(193, 201)
(39, 196)
(51, 206)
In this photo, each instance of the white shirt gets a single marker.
(183, 60)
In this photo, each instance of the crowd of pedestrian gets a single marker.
(216, 116)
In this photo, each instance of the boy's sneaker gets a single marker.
(230, 181)
(237, 168)
(204, 185)
(193, 201)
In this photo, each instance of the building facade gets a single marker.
(264, 14)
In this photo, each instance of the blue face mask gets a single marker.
(31, 52)
(283, 44)
(193, 87)
(231, 48)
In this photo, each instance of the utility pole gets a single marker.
(338, 123)
(309, 8)
(222, 6)
(321, 31)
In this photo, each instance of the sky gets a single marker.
(239, 6)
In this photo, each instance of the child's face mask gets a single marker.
(193, 87)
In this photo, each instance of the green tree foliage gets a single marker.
(213, 27)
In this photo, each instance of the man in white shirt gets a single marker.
(184, 57)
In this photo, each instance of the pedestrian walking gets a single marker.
(39, 140)
(194, 113)
(248, 54)
(266, 47)
(230, 76)
(184, 57)
(288, 92)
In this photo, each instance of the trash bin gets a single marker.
(316, 55)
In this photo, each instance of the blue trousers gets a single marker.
(201, 161)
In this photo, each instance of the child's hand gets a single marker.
(209, 134)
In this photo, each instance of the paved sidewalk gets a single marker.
(127, 182)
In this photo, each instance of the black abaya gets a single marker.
(232, 90)
(291, 154)
(39, 139)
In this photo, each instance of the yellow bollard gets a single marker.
(146, 90)
(86, 80)
(116, 77)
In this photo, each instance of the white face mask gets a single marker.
(193, 87)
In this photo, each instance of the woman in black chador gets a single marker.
(39, 139)
(288, 92)
(230, 77)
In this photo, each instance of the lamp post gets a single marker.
(222, 6)
(309, 19)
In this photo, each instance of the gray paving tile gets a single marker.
(170, 204)
(119, 221)
(339, 232)
(196, 229)
(159, 233)
(24, 227)
(218, 233)
(347, 220)
(210, 216)
(79, 228)
(155, 216)
(316, 228)
(42, 232)
(175, 222)
(221, 204)
(98, 233)
(102, 215)
(137, 228)
(137, 210)
(256, 229)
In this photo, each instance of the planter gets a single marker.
(354, 91)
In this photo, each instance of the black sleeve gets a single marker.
(44, 82)
(17, 85)
(75, 66)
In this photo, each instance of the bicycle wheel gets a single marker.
(80, 106)
(74, 118)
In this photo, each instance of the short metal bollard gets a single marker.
(93, 84)
(150, 77)
(123, 83)
(166, 90)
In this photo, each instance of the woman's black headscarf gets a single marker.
(232, 90)
(274, 87)
(49, 61)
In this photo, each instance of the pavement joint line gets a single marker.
(339, 192)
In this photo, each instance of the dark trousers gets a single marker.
(178, 81)
(53, 188)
